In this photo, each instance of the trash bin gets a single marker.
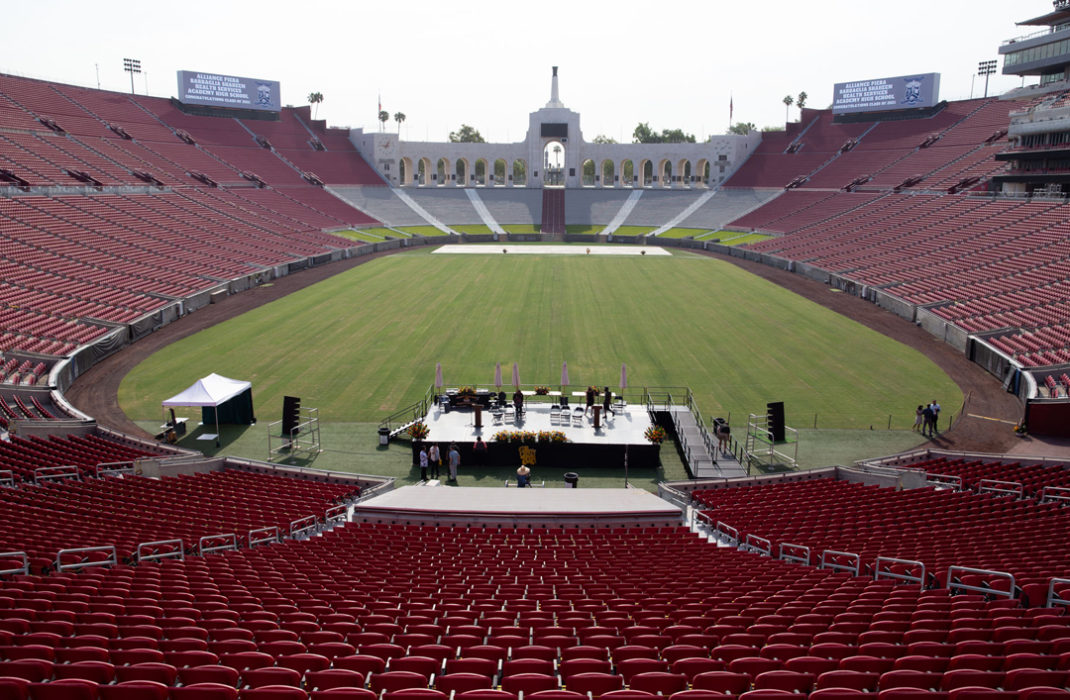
(384, 436)
(572, 479)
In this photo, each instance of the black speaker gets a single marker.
(775, 416)
(291, 414)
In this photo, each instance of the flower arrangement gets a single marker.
(655, 434)
(418, 430)
(551, 436)
(515, 437)
(466, 391)
(542, 390)
(595, 389)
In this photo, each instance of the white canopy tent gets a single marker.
(212, 392)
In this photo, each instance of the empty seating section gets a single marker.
(985, 264)
(23, 455)
(71, 259)
(940, 528)
(126, 512)
(1032, 477)
(576, 613)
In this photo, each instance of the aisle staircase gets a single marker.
(553, 213)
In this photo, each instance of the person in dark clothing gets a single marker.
(479, 451)
(590, 401)
(606, 400)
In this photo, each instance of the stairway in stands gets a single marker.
(553, 213)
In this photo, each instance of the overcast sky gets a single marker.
(487, 64)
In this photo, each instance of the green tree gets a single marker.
(800, 101)
(520, 172)
(588, 171)
(769, 129)
(676, 136)
(788, 102)
(384, 117)
(466, 134)
(741, 128)
(644, 134)
(602, 138)
(314, 98)
(399, 117)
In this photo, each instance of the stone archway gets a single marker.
(405, 174)
(646, 172)
(608, 173)
(442, 172)
(553, 164)
(628, 173)
(665, 173)
(519, 173)
(481, 172)
(462, 173)
(424, 172)
(683, 170)
(589, 172)
(500, 176)
(702, 172)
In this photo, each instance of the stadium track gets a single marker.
(96, 392)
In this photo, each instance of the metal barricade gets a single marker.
(110, 561)
(952, 571)
(884, 566)
(263, 535)
(726, 533)
(944, 481)
(303, 526)
(43, 475)
(114, 469)
(832, 559)
(217, 543)
(1053, 596)
(1001, 488)
(1055, 494)
(6, 557)
(757, 545)
(154, 551)
(796, 553)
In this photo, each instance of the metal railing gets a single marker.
(43, 475)
(398, 420)
(335, 514)
(176, 550)
(1001, 488)
(303, 526)
(1053, 595)
(946, 481)
(263, 535)
(7, 478)
(111, 560)
(114, 469)
(796, 553)
(1055, 494)
(757, 545)
(883, 569)
(987, 589)
(217, 543)
(11, 556)
(834, 560)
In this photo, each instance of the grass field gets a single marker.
(683, 233)
(422, 231)
(633, 230)
(733, 238)
(364, 343)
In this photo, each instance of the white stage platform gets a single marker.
(458, 425)
(536, 507)
(578, 249)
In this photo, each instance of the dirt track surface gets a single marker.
(97, 391)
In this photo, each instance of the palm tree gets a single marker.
(399, 117)
(384, 117)
(314, 98)
(788, 102)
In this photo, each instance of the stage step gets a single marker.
(702, 459)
